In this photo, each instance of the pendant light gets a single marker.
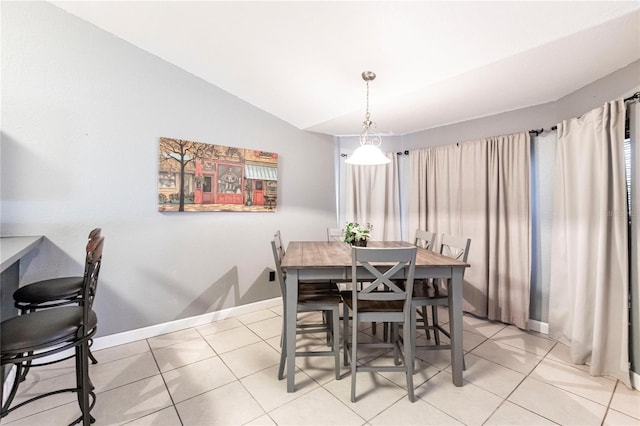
(369, 152)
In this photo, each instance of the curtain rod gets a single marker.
(536, 132)
(542, 130)
(633, 97)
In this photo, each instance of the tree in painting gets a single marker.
(181, 153)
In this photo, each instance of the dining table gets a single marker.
(323, 260)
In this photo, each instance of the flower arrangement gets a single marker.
(356, 234)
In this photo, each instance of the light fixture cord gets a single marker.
(367, 115)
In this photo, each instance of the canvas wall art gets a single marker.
(202, 177)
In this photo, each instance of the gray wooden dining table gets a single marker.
(322, 260)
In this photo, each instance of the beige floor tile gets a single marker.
(469, 403)
(490, 376)
(131, 402)
(165, 417)
(439, 358)
(320, 368)
(256, 316)
(261, 421)
(199, 377)
(556, 404)
(481, 326)
(374, 393)
(175, 356)
(267, 328)
(561, 353)
(112, 374)
(28, 390)
(227, 405)
(512, 414)
(597, 389)
(232, 339)
(270, 392)
(121, 351)
(218, 326)
(250, 359)
(45, 372)
(422, 372)
(417, 413)
(626, 401)
(64, 415)
(615, 418)
(173, 338)
(317, 407)
(277, 310)
(513, 336)
(509, 356)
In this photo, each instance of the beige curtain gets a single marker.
(373, 197)
(481, 190)
(589, 253)
(634, 115)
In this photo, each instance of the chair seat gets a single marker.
(309, 287)
(29, 332)
(423, 290)
(49, 290)
(372, 305)
(324, 298)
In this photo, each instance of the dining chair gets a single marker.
(44, 333)
(52, 293)
(305, 287)
(434, 293)
(376, 267)
(425, 240)
(335, 234)
(327, 303)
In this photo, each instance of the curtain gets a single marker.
(634, 115)
(373, 197)
(481, 190)
(589, 253)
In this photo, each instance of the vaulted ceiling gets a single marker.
(436, 62)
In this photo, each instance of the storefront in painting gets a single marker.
(195, 176)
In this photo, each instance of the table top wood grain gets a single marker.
(323, 254)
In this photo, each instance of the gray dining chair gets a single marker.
(335, 234)
(375, 268)
(327, 303)
(434, 293)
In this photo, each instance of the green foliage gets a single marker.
(355, 232)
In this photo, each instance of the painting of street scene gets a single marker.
(202, 177)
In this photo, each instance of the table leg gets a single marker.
(455, 324)
(290, 315)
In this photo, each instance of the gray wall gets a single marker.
(82, 112)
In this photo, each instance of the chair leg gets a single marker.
(409, 341)
(93, 359)
(335, 339)
(434, 317)
(413, 317)
(345, 336)
(354, 357)
(14, 388)
(283, 350)
(425, 321)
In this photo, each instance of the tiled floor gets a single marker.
(225, 373)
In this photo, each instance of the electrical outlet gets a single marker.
(272, 275)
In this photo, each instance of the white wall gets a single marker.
(82, 112)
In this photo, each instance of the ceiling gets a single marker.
(437, 63)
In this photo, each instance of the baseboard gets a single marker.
(540, 327)
(635, 380)
(169, 327)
